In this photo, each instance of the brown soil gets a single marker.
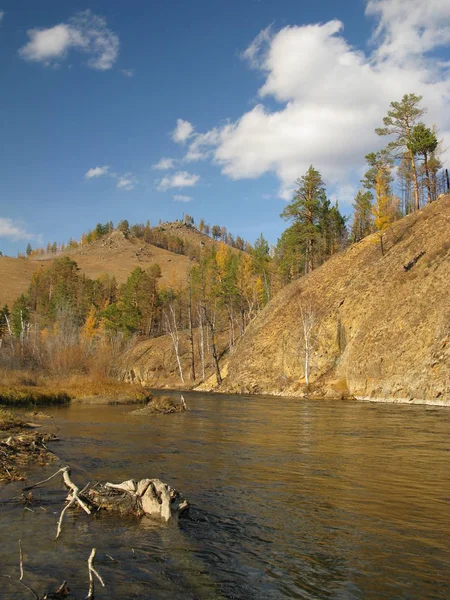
(382, 331)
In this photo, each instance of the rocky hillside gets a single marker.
(381, 330)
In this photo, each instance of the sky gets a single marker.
(149, 110)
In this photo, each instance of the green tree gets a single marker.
(262, 263)
(362, 224)
(304, 209)
(424, 142)
(124, 227)
(400, 121)
(29, 249)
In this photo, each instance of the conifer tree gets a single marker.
(362, 216)
(304, 210)
(400, 121)
(424, 142)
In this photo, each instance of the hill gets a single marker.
(381, 330)
(15, 277)
(114, 254)
(117, 255)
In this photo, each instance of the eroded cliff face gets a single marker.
(381, 330)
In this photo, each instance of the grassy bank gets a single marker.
(19, 388)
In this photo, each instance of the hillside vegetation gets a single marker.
(380, 330)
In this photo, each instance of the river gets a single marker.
(289, 499)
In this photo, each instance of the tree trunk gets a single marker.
(213, 346)
(202, 342)
(191, 333)
(172, 330)
(427, 175)
(416, 183)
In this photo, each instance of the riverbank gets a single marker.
(19, 389)
(315, 394)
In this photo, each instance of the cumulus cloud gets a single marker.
(181, 198)
(14, 231)
(126, 182)
(180, 179)
(182, 132)
(85, 32)
(332, 95)
(97, 172)
(165, 164)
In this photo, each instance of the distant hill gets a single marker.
(118, 255)
(113, 254)
(15, 277)
(382, 330)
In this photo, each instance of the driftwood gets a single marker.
(18, 451)
(149, 497)
(412, 262)
(63, 591)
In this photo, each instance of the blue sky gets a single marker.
(241, 95)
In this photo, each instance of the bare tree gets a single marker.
(170, 322)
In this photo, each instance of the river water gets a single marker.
(289, 499)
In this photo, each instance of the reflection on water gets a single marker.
(289, 499)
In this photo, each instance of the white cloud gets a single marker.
(182, 131)
(407, 29)
(84, 32)
(97, 172)
(179, 179)
(14, 231)
(2, 15)
(127, 72)
(203, 145)
(180, 198)
(165, 164)
(332, 95)
(126, 182)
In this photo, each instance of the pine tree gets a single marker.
(362, 216)
(400, 121)
(29, 249)
(424, 142)
(304, 210)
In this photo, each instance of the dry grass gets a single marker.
(161, 405)
(15, 277)
(19, 388)
(396, 323)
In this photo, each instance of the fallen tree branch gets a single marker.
(92, 571)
